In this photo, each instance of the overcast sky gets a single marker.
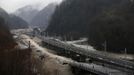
(11, 5)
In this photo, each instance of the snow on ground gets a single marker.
(88, 47)
(91, 48)
(74, 43)
(54, 64)
(122, 56)
(114, 55)
(51, 64)
(77, 41)
(18, 31)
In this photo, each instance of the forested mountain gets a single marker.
(6, 40)
(4, 14)
(12, 21)
(43, 17)
(74, 16)
(99, 20)
(12, 61)
(16, 22)
(115, 27)
(27, 13)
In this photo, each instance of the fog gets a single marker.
(12, 5)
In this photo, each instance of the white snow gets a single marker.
(77, 41)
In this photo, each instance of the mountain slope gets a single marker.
(116, 28)
(16, 22)
(72, 17)
(6, 40)
(102, 21)
(4, 14)
(12, 21)
(27, 13)
(43, 17)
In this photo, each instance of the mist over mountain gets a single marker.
(99, 20)
(17, 22)
(43, 17)
(13, 21)
(36, 17)
(27, 13)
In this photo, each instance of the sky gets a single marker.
(12, 5)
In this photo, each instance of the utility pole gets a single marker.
(29, 45)
(71, 38)
(105, 46)
(87, 45)
(125, 56)
(105, 49)
(125, 53)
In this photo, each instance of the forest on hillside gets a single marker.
(99, 20)
(6, 40)
(12, 61)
